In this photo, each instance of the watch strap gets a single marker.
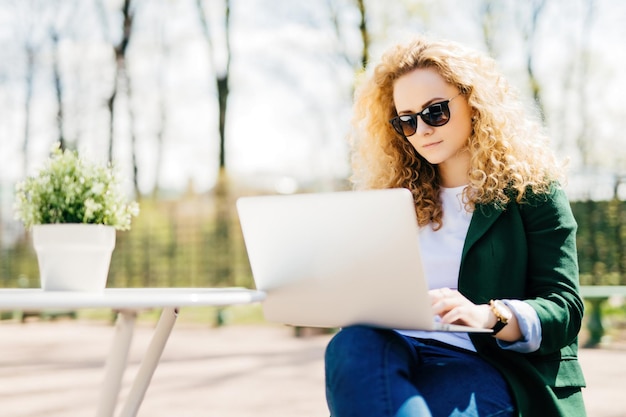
(500, 320)
(499, 326)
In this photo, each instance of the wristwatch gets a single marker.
(503, 315)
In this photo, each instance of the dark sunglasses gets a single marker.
(437, 114)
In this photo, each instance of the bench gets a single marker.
(596, 295)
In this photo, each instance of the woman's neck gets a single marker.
(454, 172)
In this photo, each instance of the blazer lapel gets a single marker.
(482, 219)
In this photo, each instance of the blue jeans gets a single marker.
(381, 373)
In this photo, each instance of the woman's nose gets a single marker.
(423, 129)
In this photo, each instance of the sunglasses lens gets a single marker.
(407, 124)
(436, 115)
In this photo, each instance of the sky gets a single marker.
(289, 107)
(279, 112)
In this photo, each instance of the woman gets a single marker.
(498, 242)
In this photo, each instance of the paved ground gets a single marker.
(54, 369)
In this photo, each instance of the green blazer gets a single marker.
(528, 251)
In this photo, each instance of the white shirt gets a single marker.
(441, 257)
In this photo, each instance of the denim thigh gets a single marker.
(379, 372)
(456, 382)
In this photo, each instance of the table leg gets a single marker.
(150, 362)
(116, 363)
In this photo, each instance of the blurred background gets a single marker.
(199, 102)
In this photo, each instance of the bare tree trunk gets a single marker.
(561, 120)
(530, 32)
(221, 75)
(222, 97)
(122, 82)
(58, 89)
(119, 51)
(165, 52)
(620, 229)
(222, 233)
(160, 143)
(357, 64)
(224, 217)
(133, 135)
(488, 20)
(60, 20)
(223, 90)
(30, 74)
(111, 108)
(583, 139)
(363, 32)
(594, 252)
(365, 36)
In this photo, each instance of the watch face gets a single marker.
(503, 310)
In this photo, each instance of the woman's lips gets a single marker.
(428, 145)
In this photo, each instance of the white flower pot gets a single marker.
(73, 257)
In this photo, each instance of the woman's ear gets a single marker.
(475, 115)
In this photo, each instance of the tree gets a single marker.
(54, 35)
(29, 49)
(488, 19)
(162, 121)
(222, 232)
(59, 23)
(364, 34)
(121, 80)
(529, 29)
(31, 46)
(222, 74)
(363, 30)
(583, 139)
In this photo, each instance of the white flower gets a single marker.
(91, 207)
(97, 188)
(70, 190)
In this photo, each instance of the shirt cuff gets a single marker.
(529, 325)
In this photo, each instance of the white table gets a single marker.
(128, 301)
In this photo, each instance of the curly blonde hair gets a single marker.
(509, 152)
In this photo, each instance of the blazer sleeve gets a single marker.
(553, 281)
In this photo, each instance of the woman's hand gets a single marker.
(453, 308)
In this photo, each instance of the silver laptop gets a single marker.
(339, 258)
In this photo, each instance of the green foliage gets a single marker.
(601, 241)
(172, 244)
(70, 190)
(189, 243)
(181, 244)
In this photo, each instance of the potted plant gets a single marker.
(74, 208)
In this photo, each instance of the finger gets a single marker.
(444, 305)
(439, 294)
(455, 315)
